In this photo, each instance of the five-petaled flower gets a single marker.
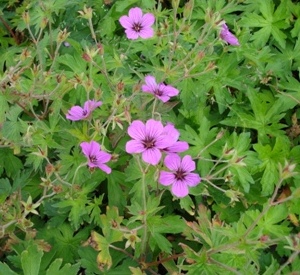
(136, 24)
(96, 157)
(173, 134)
(148, 139)
(79, 113)
(161, 91)
(180, 176)
(227, 36)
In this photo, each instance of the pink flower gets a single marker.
(161, 91)
(78, 113)
(227, 36)
(137, 24)
(96, 157)
(180, 176)
(148, 139)
(173, 134)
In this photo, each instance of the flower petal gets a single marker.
(131, 34)
(151, 85)
(170, 90)
(75, 113)
(172, 161)
(94, 148)
(188, 164)
(163, 98)
(103, 157)
(91, 105)
(126, 22)
(135, 15)
(134, 146)
(151, 156)
(180, 189)
(104, 168)
(137, 130)
(154, 128)
(192, 179)
(85, 147)
(166, 178)
(177, 147)
(148, 20)
(146, 33)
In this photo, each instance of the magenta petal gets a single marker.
(188, 164)
(180, 189)
(154, 128)
(125, 22)
(192, 179)
(151, 156)
(75, 113)
(94, 148)
(148, 20)
(134, 146)
(171, 91)
(166, 178)
(151, 84)
(135, 14)
(131, 34)
(104, 168)
(85, 147)
(171, 132)
(146, 33)
(137, 130)
(172, 161)
(178, 147)
(163, 98)
(91, 105)
(103, 157)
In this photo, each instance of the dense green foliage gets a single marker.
(238, 109)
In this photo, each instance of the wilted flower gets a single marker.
(161, 91)
(136, 24)
(96, 157)
(148, 139)
(173, 134)
(79, 113)
(227, 36)
(180, 176)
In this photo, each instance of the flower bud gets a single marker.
(26, 17)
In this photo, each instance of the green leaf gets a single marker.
(115, 193)
(11, 163)
(4, 269)
(31, 260)
(68, 269)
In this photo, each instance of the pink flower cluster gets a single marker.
(151, 140)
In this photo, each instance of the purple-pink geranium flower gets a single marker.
(148, 139)
(161, 91)
(173, 135)
(180, 175)
(136, 24)
(79, 113)
(96, 157)
(227, 36)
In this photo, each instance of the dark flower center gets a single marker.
(93, 159)
(137, 27)
(84, 112)
(180, 174)
(158, 92)
(149, 142)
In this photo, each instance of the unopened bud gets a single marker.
(100, 49)
(86, 57)
(62, 36)
(86, 13)
(220, 134)
(44, 23)
(288, 170)
(26, 17)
